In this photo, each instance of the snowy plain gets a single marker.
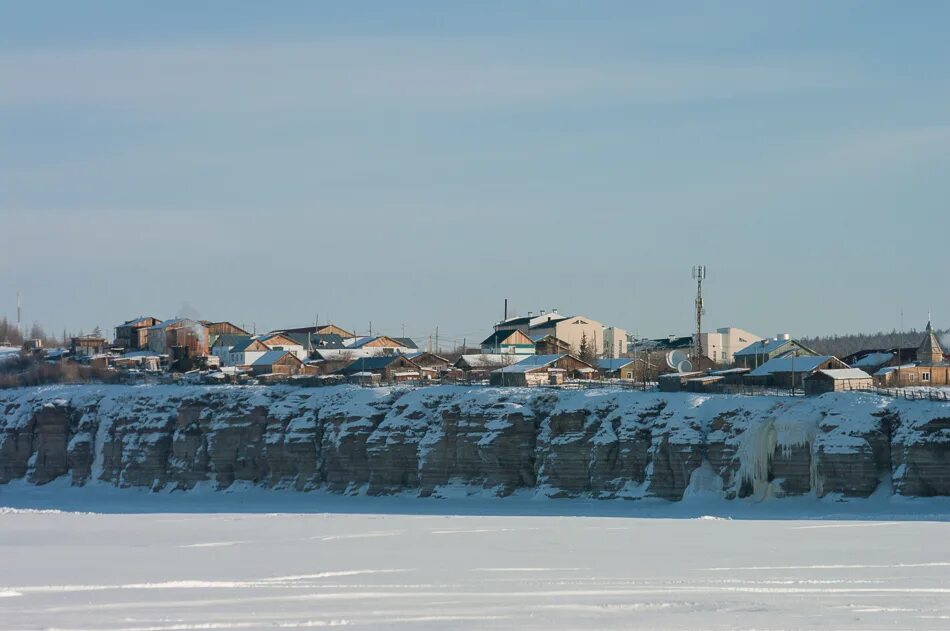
(104, 558)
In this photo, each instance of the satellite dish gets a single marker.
(684, 366)
(675, 358)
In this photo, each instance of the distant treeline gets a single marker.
(842, 345)
(10, 335)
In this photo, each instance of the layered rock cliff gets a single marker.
(598, 443)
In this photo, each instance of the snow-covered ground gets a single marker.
(9, 353)
(214, 561)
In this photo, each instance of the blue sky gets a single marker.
(418, 162)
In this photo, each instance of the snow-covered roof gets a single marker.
(845, 373)
(489, 360)
(331, 354)
(873, 359)
(531, 362)
(730, 371)
(137, 354)
(889, 369)
(790, 364)
(680, 375)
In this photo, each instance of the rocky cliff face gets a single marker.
(602, 444)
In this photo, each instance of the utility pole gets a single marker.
(699, 274)
(437, 339)
(18, 309)
(371, 328)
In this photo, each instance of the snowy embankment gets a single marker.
(450, 441)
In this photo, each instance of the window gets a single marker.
(925, 376)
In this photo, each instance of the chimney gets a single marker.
(530, 313)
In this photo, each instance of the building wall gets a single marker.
(572, 331)
(817, 385)
(916, 376)
(753, 361)
(615, 342)
(722, 344)
(244, 358)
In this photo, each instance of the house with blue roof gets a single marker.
(758, 353)
(538, 370)
(390, 368)
(792, 370)
(616, 368)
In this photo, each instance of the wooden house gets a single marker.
(620, 368)
(676, 381)
(225, 343)
(515, 342)
(536, 370)
(551, 345)
(390, 368)
(280, 363)
(133, 334)
(189, 336)
(837, 380)
(87, 346)
(763, 351)
(791, 371)
(478, 367)
(246, 352)
(930, 367)
(381, 345)
(432, 365)
(284, 342)
(324, 329)
(216, 329)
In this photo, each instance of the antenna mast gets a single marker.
(699, 273)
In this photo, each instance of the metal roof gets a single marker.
(763, 347)
(270, 357)
(531, 362)
(230, 339)
(242, 345)
(790, 364)
(370, 363)
(611, 365)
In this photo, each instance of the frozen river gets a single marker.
(171, 571)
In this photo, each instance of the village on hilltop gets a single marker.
(545, 348)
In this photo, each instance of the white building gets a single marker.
(615, 342)
(246, 353)
(722, 345)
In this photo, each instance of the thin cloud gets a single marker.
(379, 74)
